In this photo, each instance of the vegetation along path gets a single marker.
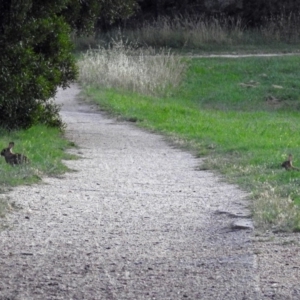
(137, 220)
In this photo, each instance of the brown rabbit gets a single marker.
(288, 164)
(13, 158)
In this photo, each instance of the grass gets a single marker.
(243, 83)
(242, 114)
(202, 34)
(145, 71)
(4, 206)
(44, 146)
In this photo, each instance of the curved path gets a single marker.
(137, 220)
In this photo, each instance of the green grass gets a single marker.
(243, 114)
(45, 147)
(244, 83)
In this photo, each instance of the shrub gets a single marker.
(36, 56)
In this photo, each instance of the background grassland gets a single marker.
(243, 114)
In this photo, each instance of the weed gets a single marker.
(123, 67)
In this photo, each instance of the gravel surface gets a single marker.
(138, 220)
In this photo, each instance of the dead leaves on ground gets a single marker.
(271, 100)
(250, 84)
(254, 84)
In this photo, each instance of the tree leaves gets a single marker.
(35, 58)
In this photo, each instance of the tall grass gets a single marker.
(188, 32)
(281, 28)
(45, 147)
(202, 33)
(121, 66)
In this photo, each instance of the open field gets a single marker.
(242, 114)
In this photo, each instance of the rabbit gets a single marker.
(288, 164)
(13, 158)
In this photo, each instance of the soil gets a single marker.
(137, 219)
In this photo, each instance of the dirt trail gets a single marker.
(246, 55)
(136, 221)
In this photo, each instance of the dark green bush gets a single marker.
(36, 53)
(35, 58)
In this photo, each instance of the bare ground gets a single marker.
(138, 220)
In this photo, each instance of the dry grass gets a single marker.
(281, 28)
(202, 33)
(270, 208)
(121, 66)
(187, 31)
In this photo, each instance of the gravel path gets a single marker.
(137, 220)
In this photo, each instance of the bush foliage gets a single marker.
(36, 54)
(35, 58)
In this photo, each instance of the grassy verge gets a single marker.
(243, 114)
(44, 146)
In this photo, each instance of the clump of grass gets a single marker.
(279, 212)
(121, 66)
(4, 206)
